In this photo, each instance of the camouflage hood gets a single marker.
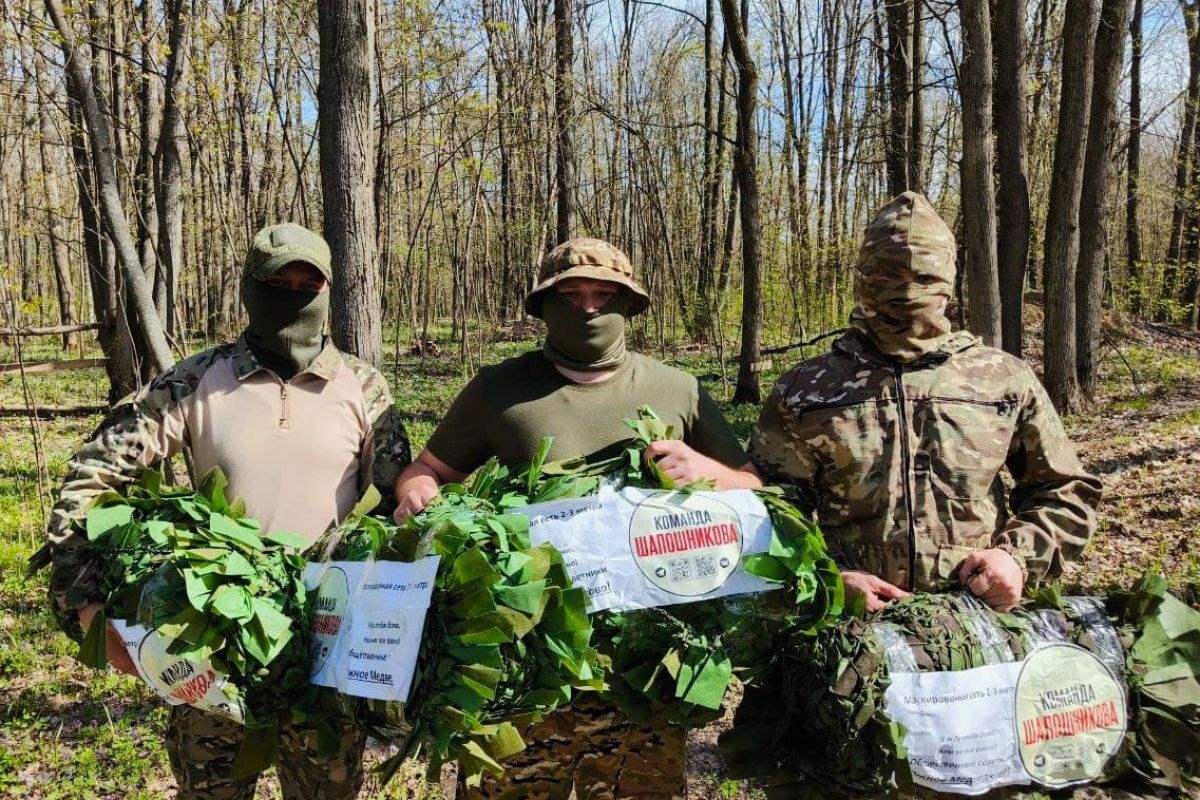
(904, 279)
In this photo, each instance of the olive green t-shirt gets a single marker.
(508, 407)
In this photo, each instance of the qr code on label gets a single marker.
(681, 569)
(706, 566)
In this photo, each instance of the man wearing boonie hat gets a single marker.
(300, 430)
(578, 388)
(896, 438)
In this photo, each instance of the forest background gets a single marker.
(734, 149)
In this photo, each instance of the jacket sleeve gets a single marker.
(141, 431)
(781, 452)
(386, 450)
(1054, 499)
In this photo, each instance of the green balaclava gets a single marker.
(286, 328)
(904, 278)
(577, 339)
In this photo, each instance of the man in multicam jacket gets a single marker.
(896, 438)
(299, 428)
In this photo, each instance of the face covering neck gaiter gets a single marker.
(286, 328)
(579, 340)
(905, 320)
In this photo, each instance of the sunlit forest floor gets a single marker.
(66, 732)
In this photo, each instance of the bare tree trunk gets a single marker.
(917, 106)
(746, 158)
(100, 138)
(1011, 121)
(978, 195)
(1185, 166)
(150, 123)
(1062, 216)
(899, 44)
(1133, 234)
(564, 117)
(347, 147)
(171, 144)
(56, 226)
(1095, 207)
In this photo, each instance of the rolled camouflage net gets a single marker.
(677, 664)
(226, 597)
(816, 726)
(506, 639)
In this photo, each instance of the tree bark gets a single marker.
(1095, 206)
(564, 119)
(1062, 216)
(1011, 122)
(1185, 166)
(746, 164)
(899, 44)
(171, 144)
(56, 224)
(978, 194)
(101, 145)
(347, 147)
(916, 126)
(1133, 234)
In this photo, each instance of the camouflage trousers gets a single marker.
(202, 748)
(592, 748)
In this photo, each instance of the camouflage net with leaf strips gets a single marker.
(815, 727)
(191, 566)
(674, 664)
(507, 637)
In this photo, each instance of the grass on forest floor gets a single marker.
(66, 732)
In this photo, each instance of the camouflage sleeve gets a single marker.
(386, 451)
(781, 453)
(140, 431)
(1054, 500)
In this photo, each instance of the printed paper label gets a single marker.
(1055, 719)
(179, 680)
(1071, 716)
(367, 624)
(641, 548)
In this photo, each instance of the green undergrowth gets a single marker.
(67, 732)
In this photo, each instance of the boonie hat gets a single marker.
(584, 257)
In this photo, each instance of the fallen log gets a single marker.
(52, 330)
(53, 366)
(54, 411)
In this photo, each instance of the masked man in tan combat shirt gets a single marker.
(300, 429)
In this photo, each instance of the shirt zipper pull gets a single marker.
(284, 416)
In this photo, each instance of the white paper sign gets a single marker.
(641, 548)
(960, 727)
(178, 680)
(1055, 719)
(367, 622)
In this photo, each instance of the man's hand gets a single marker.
(413, 495)
(114, 647)
(418, 484)
(994, 577)
(876, 592)
(683, 464)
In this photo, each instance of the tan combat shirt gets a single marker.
(300, 453)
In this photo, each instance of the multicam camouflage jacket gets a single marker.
(299, 452)
(900, 463)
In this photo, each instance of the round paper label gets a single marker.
(685, 544)
(182, 680)
(329, 609)
(1070, 714)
